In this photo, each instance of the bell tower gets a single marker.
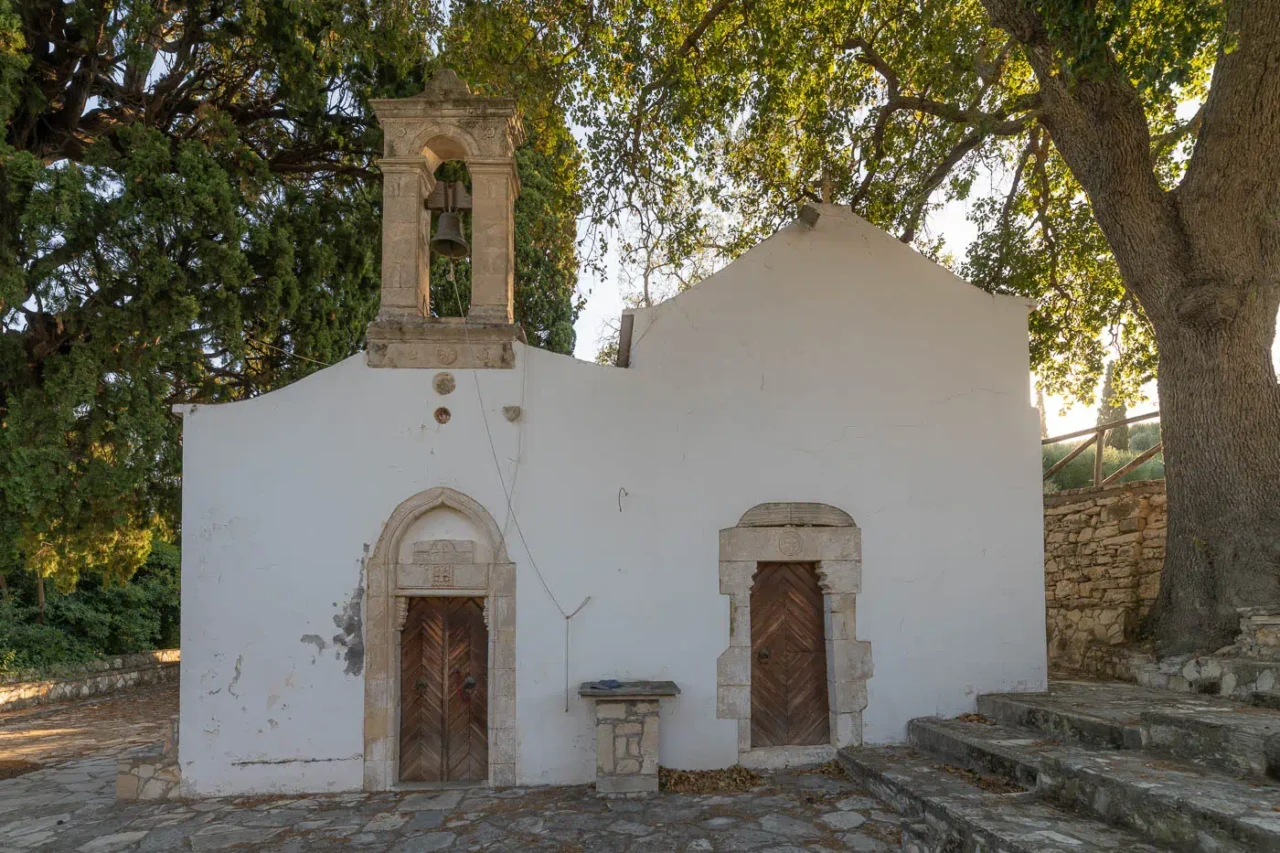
(446, 122)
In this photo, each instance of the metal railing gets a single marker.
(1100, 433)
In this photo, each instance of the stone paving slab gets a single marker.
(49, 734)
(68, 806)
(71, 808)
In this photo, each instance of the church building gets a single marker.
(808, 494)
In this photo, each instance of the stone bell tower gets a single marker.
(446, 122)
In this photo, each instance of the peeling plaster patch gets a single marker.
(236, 679)
(349, 623)
(316, 640)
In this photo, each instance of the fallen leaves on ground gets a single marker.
(832, 770)
(732, 779)
(992, 784)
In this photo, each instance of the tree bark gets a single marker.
(40, 598)
(1203, 260)
(1220, 422)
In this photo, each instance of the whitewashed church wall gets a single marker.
(825, 365)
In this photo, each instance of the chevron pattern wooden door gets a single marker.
(444, 691)
(789, 659)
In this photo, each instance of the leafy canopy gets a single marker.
(191, 214)
(742, 111)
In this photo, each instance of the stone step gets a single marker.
(1215, 732)
(951, 813)
(1175, 803)
(1265, 699)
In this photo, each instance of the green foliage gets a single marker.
(497, 48)
(101, 617)
(896, 108)
(1078, 473)
(1112, 409)
(1143, 436)
(191, 214)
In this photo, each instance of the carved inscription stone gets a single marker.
(441, 555)
(443, 564)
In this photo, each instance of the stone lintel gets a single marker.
(442, 578)
(448, 342)
(790, 544)
(425, 107)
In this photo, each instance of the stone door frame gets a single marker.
(795, 533)
(388, 586)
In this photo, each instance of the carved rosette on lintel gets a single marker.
(447, 122)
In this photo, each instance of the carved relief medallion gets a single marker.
(789, 543)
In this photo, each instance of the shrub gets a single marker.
(98, 619)
(1078, 473)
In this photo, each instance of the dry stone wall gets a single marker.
(1103, 553)
(152, 772)
(112, 675)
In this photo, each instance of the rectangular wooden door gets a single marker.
(444, 691)
(788, 657)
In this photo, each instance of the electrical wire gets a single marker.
(510, 493)
(286, 352)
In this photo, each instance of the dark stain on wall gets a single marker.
(351, 627)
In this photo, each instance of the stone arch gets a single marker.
(795, 532)
(389, 583)
(438, 143)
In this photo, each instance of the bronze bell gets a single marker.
(448, 241)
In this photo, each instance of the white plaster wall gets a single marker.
(829, 365)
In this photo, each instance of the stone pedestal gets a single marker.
(627, 734)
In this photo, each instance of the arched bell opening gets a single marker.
(449, 185)
(449, 238)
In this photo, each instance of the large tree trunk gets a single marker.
(1203, 260)
(1220, 421)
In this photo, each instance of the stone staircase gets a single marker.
(1086, 767)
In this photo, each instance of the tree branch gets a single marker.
(1098, 124)
(971, 140)
(1233, 177)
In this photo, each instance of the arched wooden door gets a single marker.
(444, 689)
(788, 657)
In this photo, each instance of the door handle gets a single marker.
(420, 684)
(764, 654)
(468, 685)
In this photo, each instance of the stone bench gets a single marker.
(627, 733)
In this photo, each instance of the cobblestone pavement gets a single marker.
(48, 734)
(71, 808)
(69, 805)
